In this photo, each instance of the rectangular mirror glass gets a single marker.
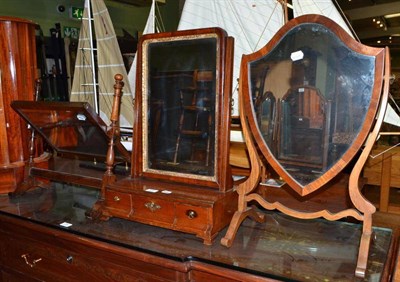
(179, 104)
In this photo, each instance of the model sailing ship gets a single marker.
(98, 59)
(78, 131)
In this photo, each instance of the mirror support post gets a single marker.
(245, 188)
(114, 134)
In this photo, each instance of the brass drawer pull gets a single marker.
(152, 206)
(117, 199)
(191, 214)
(31, 264)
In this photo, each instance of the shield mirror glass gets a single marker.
(310, 95)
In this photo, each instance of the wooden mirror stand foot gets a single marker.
(236, 221)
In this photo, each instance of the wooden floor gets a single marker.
(391, 221)
(372, 193)
(387, 219)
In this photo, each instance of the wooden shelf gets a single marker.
(383, 169)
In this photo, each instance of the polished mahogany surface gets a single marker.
(282, 248)
(18, 72)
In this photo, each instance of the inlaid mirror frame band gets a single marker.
(145, 105)
(250, 111)
(219, 175)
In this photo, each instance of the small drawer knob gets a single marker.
(70, 259)
(191, 214)
(117, 199)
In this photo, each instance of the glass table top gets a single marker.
(282, 247)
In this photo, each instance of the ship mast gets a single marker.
(92, 49)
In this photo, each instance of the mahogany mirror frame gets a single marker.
(248, 111)
(222, 178)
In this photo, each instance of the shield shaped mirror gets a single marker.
(309, 104)
(310, 95)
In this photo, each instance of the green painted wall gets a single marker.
(124, 16)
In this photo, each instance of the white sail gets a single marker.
(109, 62)
(328, 9)
(391, 116)
(150, 27)
(320, 7)
(252, 23)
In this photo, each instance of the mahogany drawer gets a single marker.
(119, 202)
(39, 260)
(192, 217)
(64, 261)
(153, 209)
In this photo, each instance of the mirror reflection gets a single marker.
(180, 105)
(310, 94)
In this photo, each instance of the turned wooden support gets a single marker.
(30, 181)
(38, 89)
(114, 133)
(119, 84)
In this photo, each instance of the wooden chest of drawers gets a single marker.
(172, 206)
(51, 255)
(35, 247)
(34, 252)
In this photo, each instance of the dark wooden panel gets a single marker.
(65, 257)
